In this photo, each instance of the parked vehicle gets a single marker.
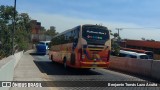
(135, 55)
(149, 53)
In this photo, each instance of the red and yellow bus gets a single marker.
(85, 46)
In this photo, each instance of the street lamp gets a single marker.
(14, 21)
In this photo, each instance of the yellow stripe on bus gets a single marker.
(94, 49)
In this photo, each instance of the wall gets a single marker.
(17, 57)
(7, 66)
(150, 68)
(156, 56)
(155, 73)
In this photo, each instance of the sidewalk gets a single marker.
(26, 70)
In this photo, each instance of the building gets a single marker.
(36, 26)
(36, 31)
(143, 45)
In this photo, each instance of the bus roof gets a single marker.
(76, 27)
(64, 32)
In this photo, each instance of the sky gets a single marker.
(137, 18)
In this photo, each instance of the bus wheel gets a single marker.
(52, 59)
(72, 59)
(65, 62)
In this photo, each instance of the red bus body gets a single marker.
(91, 49)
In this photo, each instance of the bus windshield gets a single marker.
(41, 43)
(95, 34)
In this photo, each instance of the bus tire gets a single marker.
(72, 59)
(52, 58)
(65, 62)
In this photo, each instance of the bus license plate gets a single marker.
(94, 65)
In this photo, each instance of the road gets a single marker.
(40, 68)
(56, 72)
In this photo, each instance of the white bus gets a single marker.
(135, 55)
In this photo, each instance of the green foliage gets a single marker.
(6, 16)
(51, 31)
(22, 39)
(115, 48)
(114, 43)
(22, 30)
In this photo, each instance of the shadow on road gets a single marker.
(51, 68)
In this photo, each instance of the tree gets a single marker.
(115, 48)
(115, 35)
(22, 30)
(115, 44)
(51, 31)
(6, 17)
(143, 38)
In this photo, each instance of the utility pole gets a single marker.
(118, 31)
(14, 26)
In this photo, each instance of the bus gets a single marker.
(46, 43)
(135, 55)
(149, 53)
(84, 46)
(41, 49)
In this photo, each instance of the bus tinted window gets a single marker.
(41, 43)
(94, 34)
(67, 37)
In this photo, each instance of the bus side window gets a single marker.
(68, 37)
(62, 39)
(77, 29)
